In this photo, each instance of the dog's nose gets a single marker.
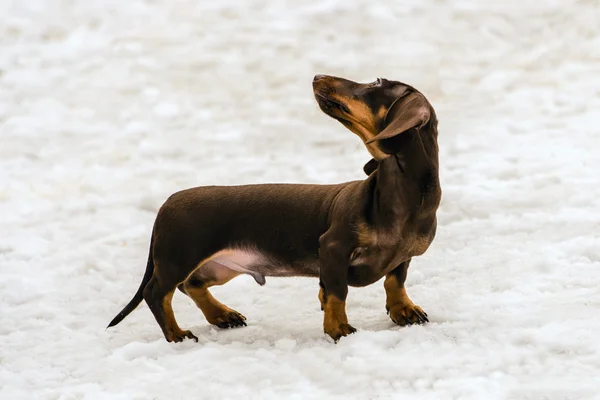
(318, 76)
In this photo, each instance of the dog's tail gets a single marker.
(139, 295)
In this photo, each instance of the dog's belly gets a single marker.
(228, 263)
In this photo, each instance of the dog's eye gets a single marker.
(344, 108)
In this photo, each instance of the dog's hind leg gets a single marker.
(158, 295)
(196, 286)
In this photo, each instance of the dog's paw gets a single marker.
(336, 332)
(229, 319)
(407, 314)
(181, 335)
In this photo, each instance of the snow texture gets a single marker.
(107, 107)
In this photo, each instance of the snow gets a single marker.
(106, 108)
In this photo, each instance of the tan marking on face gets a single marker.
(362, 123)
(360, 116)
(361, 113)
(382, 113)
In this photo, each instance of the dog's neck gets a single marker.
(397, 181)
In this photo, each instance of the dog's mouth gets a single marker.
(336, 110)
(324, 89)
(331, 107)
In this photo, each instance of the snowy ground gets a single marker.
(107, 107)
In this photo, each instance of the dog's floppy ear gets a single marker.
(405, 113)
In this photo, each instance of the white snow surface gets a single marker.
(107, 107)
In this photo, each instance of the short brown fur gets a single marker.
(348, 234)
(173, 332)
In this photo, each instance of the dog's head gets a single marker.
(376, 112)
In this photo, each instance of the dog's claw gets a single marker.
(180, 336)
(232, 319)
(408, 315)
(340, 331)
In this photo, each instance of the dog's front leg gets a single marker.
(334, 255)
(400, 307)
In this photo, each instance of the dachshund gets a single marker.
(352, 233)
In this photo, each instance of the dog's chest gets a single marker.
(381, 249)
(379, 252)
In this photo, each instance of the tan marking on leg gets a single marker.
(173, 332)
(215, 312)
(400, 307)
(396, 293)
(322, 298)
(335, 322)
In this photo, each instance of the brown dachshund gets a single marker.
(351, 233)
